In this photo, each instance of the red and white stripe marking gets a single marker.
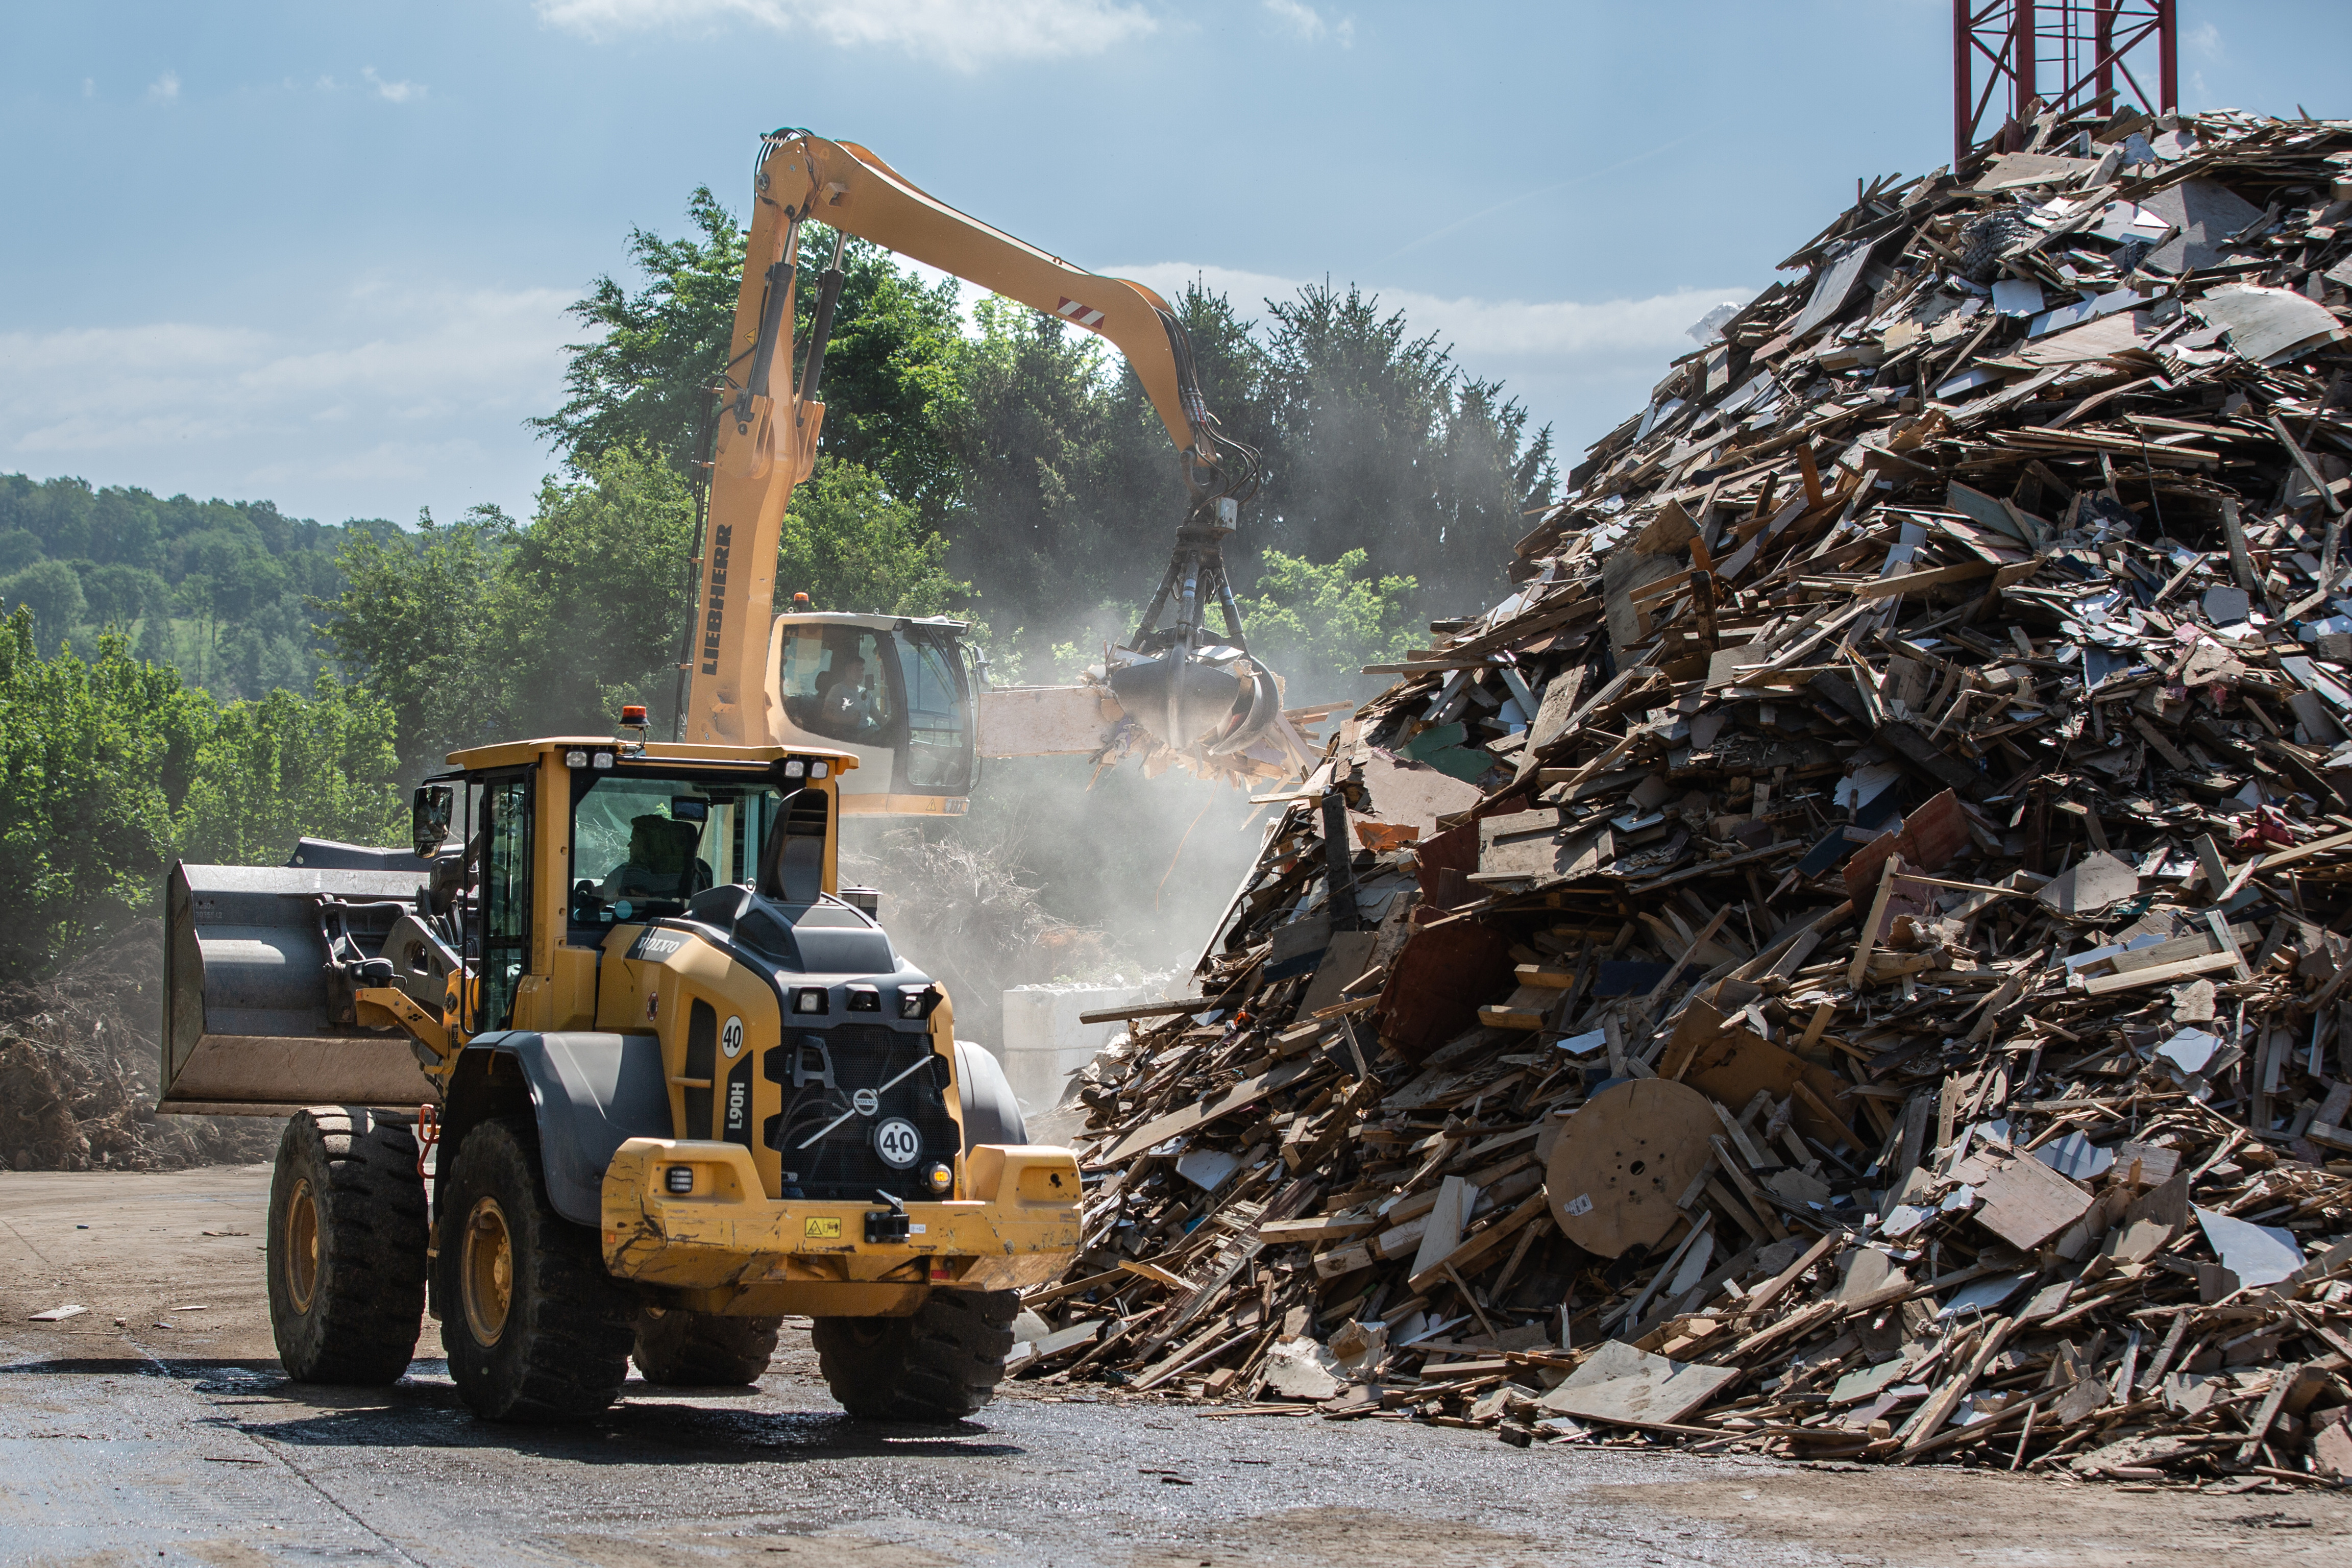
(1085, 315)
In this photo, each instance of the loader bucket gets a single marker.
(246, 995)
(1214, 699)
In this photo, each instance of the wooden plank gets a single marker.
(2285, 857)
(1861, 948)
(2161, 975)
(1246, 1092)
(1152, 1010)
(1477, 1246)
(1918, 582)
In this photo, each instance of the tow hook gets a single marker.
(888, 1224)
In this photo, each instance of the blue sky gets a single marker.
(321, 253)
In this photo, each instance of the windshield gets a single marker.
(641, 846)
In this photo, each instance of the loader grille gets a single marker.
(844, 1163)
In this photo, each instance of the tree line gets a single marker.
(225, 592)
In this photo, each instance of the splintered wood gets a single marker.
(1845, 960)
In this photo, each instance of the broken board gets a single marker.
(1622, 1384)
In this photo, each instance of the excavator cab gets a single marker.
(895, 692)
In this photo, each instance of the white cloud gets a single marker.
(1306, 23)
(393, 91)
(165, 89)
(963, 33)
(390, 398)
(2205, 38)
(90, 87)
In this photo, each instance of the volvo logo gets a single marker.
(866, 1101)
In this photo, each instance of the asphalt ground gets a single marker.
(157, 1429)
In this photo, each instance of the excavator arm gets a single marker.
(769, 417)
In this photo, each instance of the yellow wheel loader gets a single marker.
(671, 1081)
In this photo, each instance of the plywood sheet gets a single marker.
(1622, 1384)
(1732, 1064)
(2026, 1203)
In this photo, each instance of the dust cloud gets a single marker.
(1048, 879)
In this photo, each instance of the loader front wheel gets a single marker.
(702, 1350)
(534, 1327)
(940, 1364)
(346, 1248)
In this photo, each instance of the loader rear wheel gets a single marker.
(939, 1365)
(702, 1350)
(346, 1248)
(534, 1327)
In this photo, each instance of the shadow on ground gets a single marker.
(423, 1411)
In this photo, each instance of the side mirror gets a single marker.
(429, 817)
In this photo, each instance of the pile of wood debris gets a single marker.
(79, 1060)
(1841, 962)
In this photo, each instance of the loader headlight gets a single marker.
(809, 999)
(818, 770)
(796, 769)
(941, 1176)
(865, 999)
(917, 1001)
(575, 758)
(601, 760)
(678, 1179)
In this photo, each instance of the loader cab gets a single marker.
(896, 691)
(571, 840)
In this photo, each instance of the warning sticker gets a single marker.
(827, 1227)
(1580, 1203)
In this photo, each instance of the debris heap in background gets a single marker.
(78, 1072)
(1842, 962)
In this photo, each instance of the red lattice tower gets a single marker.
(2066, 55)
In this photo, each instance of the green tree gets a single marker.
(274, 770)
(850, 544)
(51, 590)
(411, 623)
(94, 758)
(1040, 532)
(1318, 625)
(642, 382)
(588, 604)
(1383, 446)
(482, 629)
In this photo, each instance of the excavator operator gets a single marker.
(845, 711)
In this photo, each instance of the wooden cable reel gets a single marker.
(1625, 1160)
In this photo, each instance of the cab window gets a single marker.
(505, 840)
(938, 757)
(834, 683)
(642, 847)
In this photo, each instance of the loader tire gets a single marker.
(346, 1248)
(939, 1365)
(702, 1350)
(534, 1327)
